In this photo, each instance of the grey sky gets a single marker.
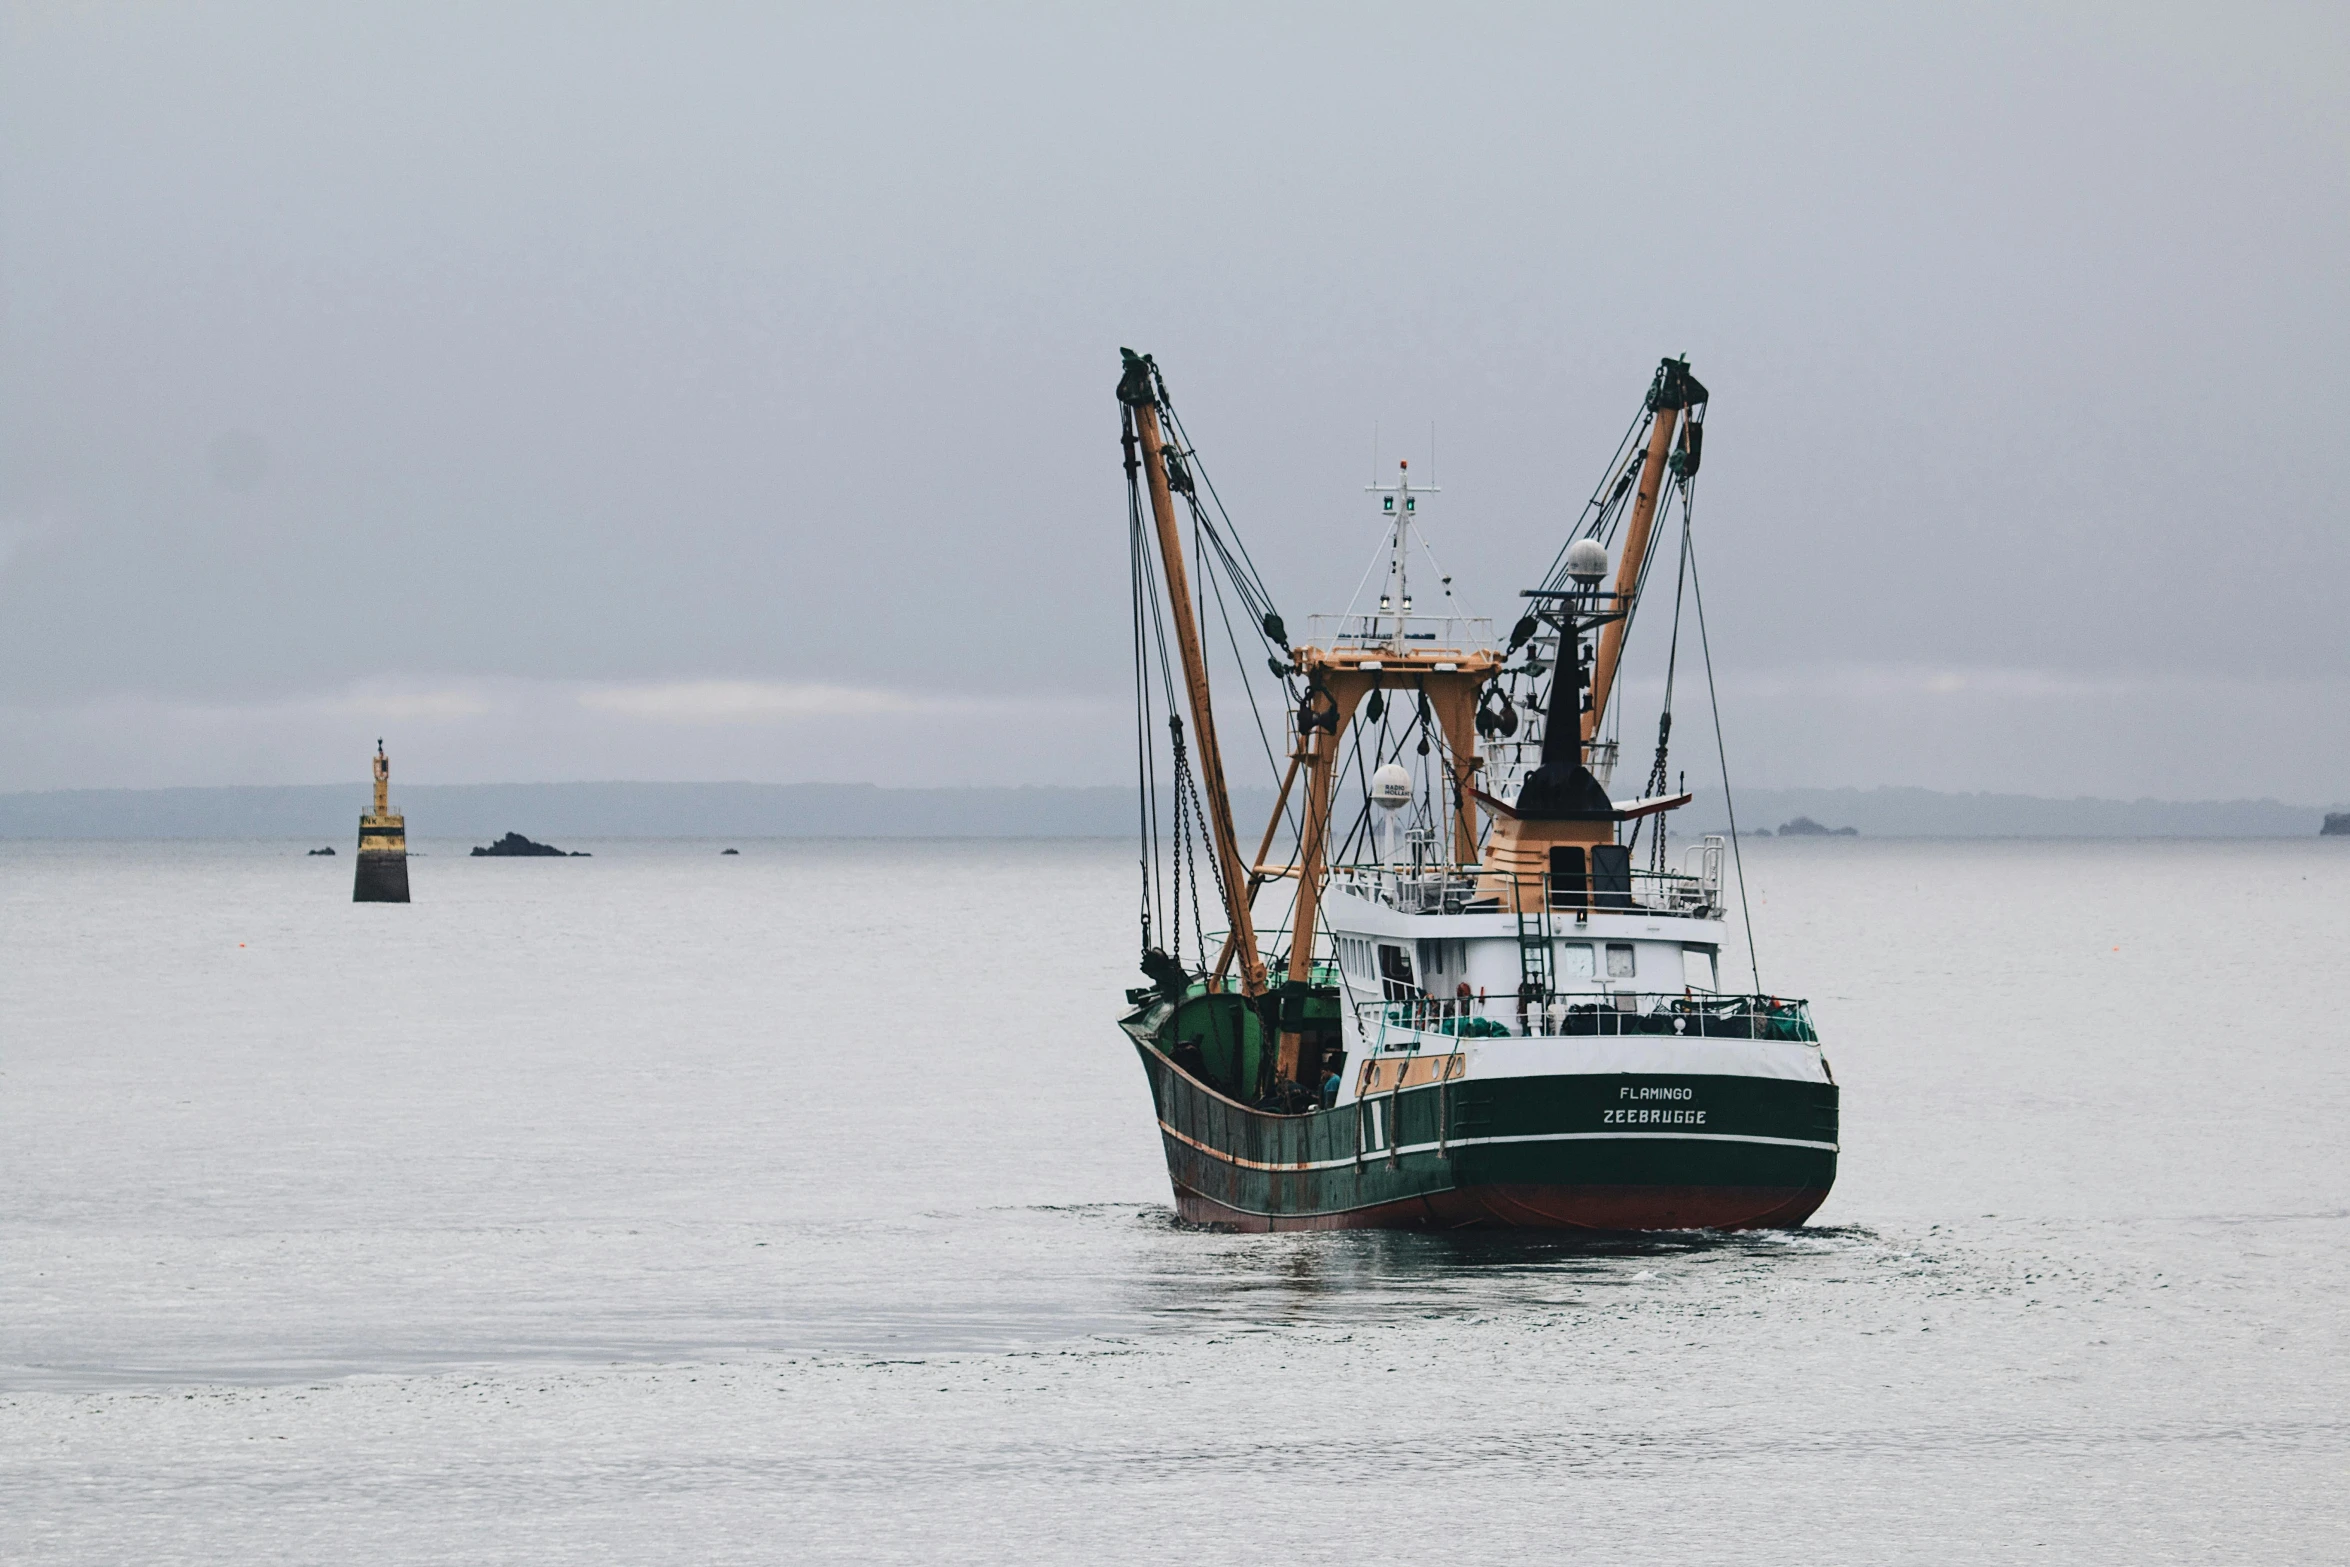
(725, 391)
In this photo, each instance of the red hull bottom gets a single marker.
(1597, 1208)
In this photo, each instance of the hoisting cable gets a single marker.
(1657, 770)
(1722, 753)
(1178, 835)
(1166, 669)
(1221, 554)
(1177, 827)
(1150, 609)
(1362, 822)
(1142, 591)
(1602, 500)
(1215, 861)
(1659, 773)
(1213, 581)
(1187, 786)
(1256, 712)
(1225, 539)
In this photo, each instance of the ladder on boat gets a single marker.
(1534, 949)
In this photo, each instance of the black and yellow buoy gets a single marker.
(383, 844)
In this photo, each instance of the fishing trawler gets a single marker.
(1488, 1002)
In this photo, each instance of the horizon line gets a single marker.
(362, 784)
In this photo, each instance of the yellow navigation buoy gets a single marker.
(383, 844)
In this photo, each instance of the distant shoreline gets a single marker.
(328, 813)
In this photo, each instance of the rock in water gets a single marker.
(516, 846)
(2337, 825)
(329, 849)
(1805, 827)
(730, 851)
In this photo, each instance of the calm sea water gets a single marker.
(805, 1205)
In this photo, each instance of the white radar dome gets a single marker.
(1391, 787)
(1587, 560)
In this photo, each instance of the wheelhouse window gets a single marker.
(1395, 973)
(1619, 960)
(1697, 968)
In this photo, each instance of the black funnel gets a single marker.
(1563, 792)
(1562, 788)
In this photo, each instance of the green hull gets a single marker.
(1613, 1151)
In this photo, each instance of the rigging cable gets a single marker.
(1179, 849)
(1141, 592)
(1602, 499)
(1187, 789)
(1232, 638)
(1251, 585)
(1362, 822)
(1377, 554)
(1166, 677)
(1722, 753)
(1221, 555)
(1659, 778)
(1211, 580)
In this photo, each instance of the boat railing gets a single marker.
(1416, 1022)
(1439, 889)
(1453, 890)
(1508, 761)
(1420, 633)
(1649, 892)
